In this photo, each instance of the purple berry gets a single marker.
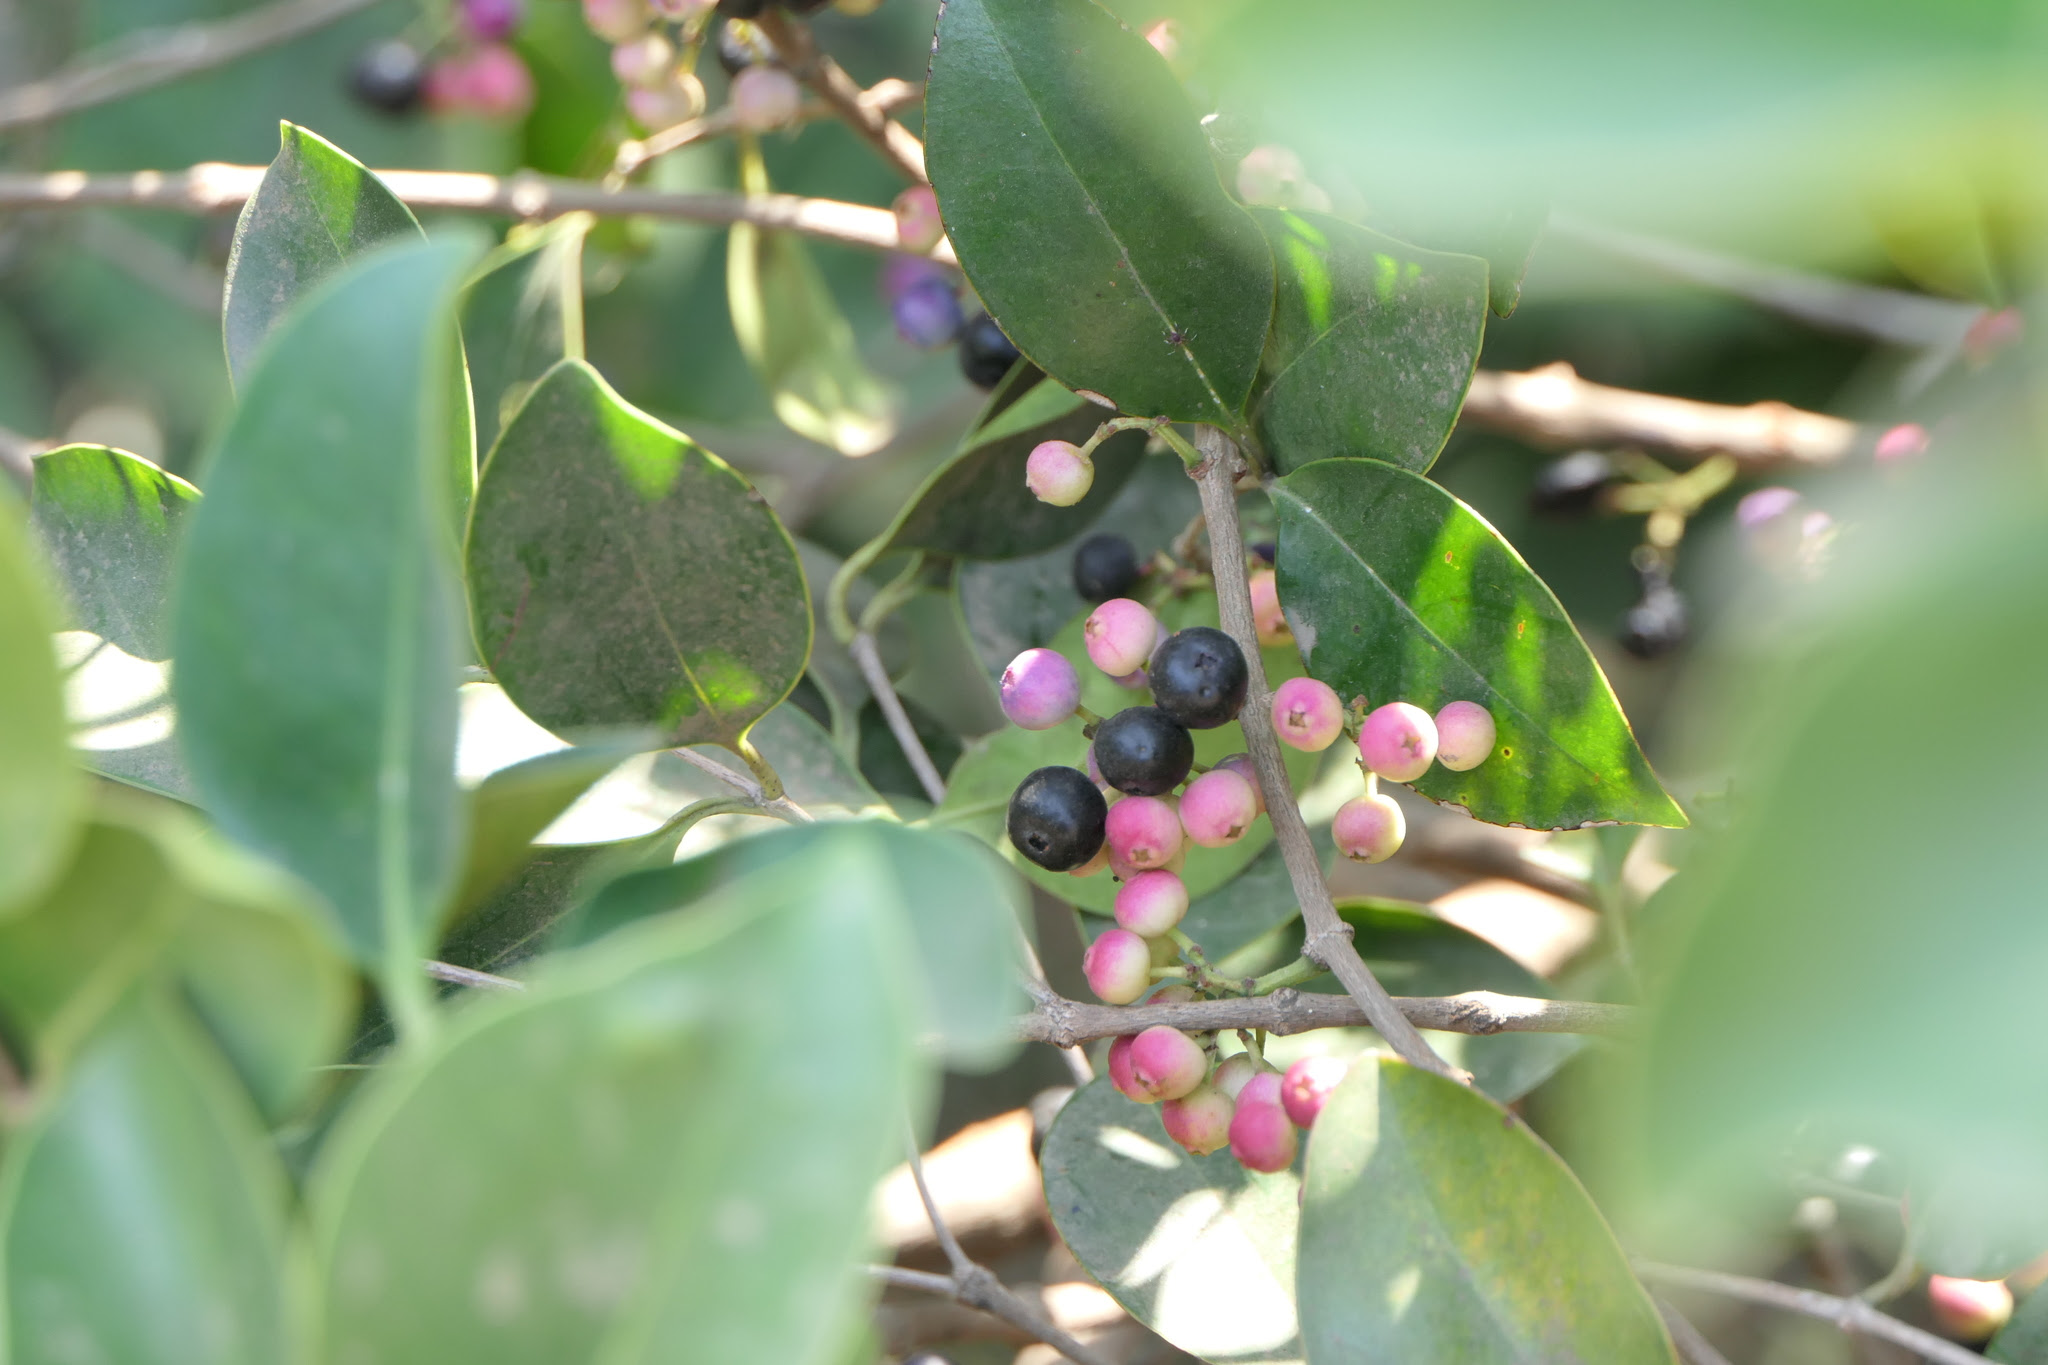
(1151, 902)
(1057, 472)
(1369, 829)
(1056, 818)
(1040, 689)
(1143, 832)
(1217, 808)
(1398, 741)
(1121, 634)
(1242, 765)
(1118, 966)
(1199, 677)
(1232, 1073)
(1166, 1063)
(927, 315)
(1764, 506)
(1262, 1137)
(1307, 714)
(1464, 735)
(1143, 751)
(1199, 1120)
(1308, 1084)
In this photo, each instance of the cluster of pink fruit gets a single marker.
(654, 43)
(1206, 1104)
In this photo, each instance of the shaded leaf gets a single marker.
(622, 575)
(1078, 190)
(2024, 1340)
(1435, 1226)
(41, 792)
(1399, 592)
(1374, 342)
(516, 920)
(110, 522)
(521, 313)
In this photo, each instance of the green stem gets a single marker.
(1189, 456)
(685, 819)
(842, 585)
(764, 771)
(1293, 974)
(1169, 973)
(893, 594)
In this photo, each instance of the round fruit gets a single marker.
(1143, 832)
(1262, 1137)
(1152, 902)
(1199, 1120)
(1464, 735)
(1059, 473)
(1057, 818)
(986, 355)
(387, 77)
(1166, 1063)
(1656, 624)
(1105, 566)
(1569, 487)
(1120, 635)
(1901, 442)
(644, 61)
(918, 227)
(1369, 829)
(1268, 621)
(1232, 1073)
(764, 98)
(1398, 741)
(1118, 966)
(1308, 1084)
(1217, 808)
(1242, 765)
(1199, 677)
(616, 21)
(1120, 1070)
(1307, 714)
(1039, 689)
(739, 46)
(927, 315)
(1143, 751)
(491, 20)
(1969, 1310)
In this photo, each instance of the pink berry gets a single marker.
(1242, 765)
(1262, 1137)
(917, 219)
(1268, 620)
(1398, 741)
(1166, 1063)
(1232, 1073)
(1040, 689)
(1058, 473)
(764, 98)
(1151, 902)
(644, 61)
(1993, 332)
(1901, 442)
(1763, 506)
(1969, 1310)
(1120, 635)
(1464, 735)
(1307, 1085)
(1134, 681)
(616, 21)
(1263, 1087)
(1199, 1120)
(1144, 831)
(1120, 1070)
(1369, 829)
(1307, 714)
(490, 20)
(1217, 808)
(1118, 966)
(674, 101)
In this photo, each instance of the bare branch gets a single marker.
(870, 661)
(897, 144)
(469, 976)
(1329, 938)
(1851, 1315)
(153, 57)
(1693, 1348)
(780, 807)
(887, 96)
(1065, 1023)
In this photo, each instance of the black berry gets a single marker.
(1657, 623)
(1142, 751)
(387, 76)
(1198, 677)
(1569, 487)
(740, 45)
(1057, 818)
(1105, 566)
(1266, 552)
(986, 355)
(742, 9)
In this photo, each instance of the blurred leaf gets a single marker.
(622, 575)
(1197, 1248)
(797, 340)
(515, 921)
(521, 313)
(1399, 592)
(110, 522)
(2024, 1340)
(1078, 190)
(1374, 342)
(41, 792)
(145, 1210)
(975, 506)
(692, 1060)
(1435, 1226)
(316, 689)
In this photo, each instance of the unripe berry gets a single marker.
(1307, 1085)
(491, 20)
(1151, 902)
(676, 100)
(1093, 865)
(1105, 566)
(1262, 1137)
(616, 21)
(1166, 1063)
(1398, 741)
(1118, 966)
(643, 61)
(1217, 808)
(1969, 1310)
(1143, 752)
(1267, 618)
(1274, 175)
(1263, 1087)
(1242, 765)
(1369, 829)
(1057, 472)
(1901, 442)
(1040, 689)
(491, 81)
(1171, 995)
(1307, 714)
(918, 227)
(1464, 735)
(1120, 1070)
(1144, 831)
(1232, 1073)
(764, 98)
(1199, 1120)
(1120, 633)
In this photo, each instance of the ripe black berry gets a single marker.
(1142, 751)
(1657, 623)
(1105, 566)
(387, 76)
(1568, 487)
(1266, 552)
(1057, 818)
(741, 45)
(1199, 677)
(986, 355)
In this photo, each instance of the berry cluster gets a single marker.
(654, 55)
(1207, 1102)
(924, 300)
(476, 72)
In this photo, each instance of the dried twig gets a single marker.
(1065, 1023)
(897, 144)
(1693, 1348)
(1851, 1315)
(781, 807)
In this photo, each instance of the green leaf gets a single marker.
(517, 920)
(2024, 1340)
(975, 506)
(316, 689)
(1197, 1248)
(110, 522)
(1374, 342)
(145, 1210)
(1435, 1226)
(693, 1060)
(42, 793)
(1399, 592)
(1078, 190)
(521, 313)
(622, 575)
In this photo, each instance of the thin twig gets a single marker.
(469, 976)
(1049, 1003)
(885, 95)
(1065, 1023)
(781, 806)
(1851, 1315)
(870, 661)
(152, 57)
(897, 144)
(1329, 938)
(1693, 1348)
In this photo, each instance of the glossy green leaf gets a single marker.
(622, 575)
(144, 1211)
(975, 506)
(690, 1059)
(1078, 190)
(1399, 592)
(41, 791)
(1374, 342)
(109, 523)
(1436, 1226)
(316, 688)
(1197, 1248)
(521, 314)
